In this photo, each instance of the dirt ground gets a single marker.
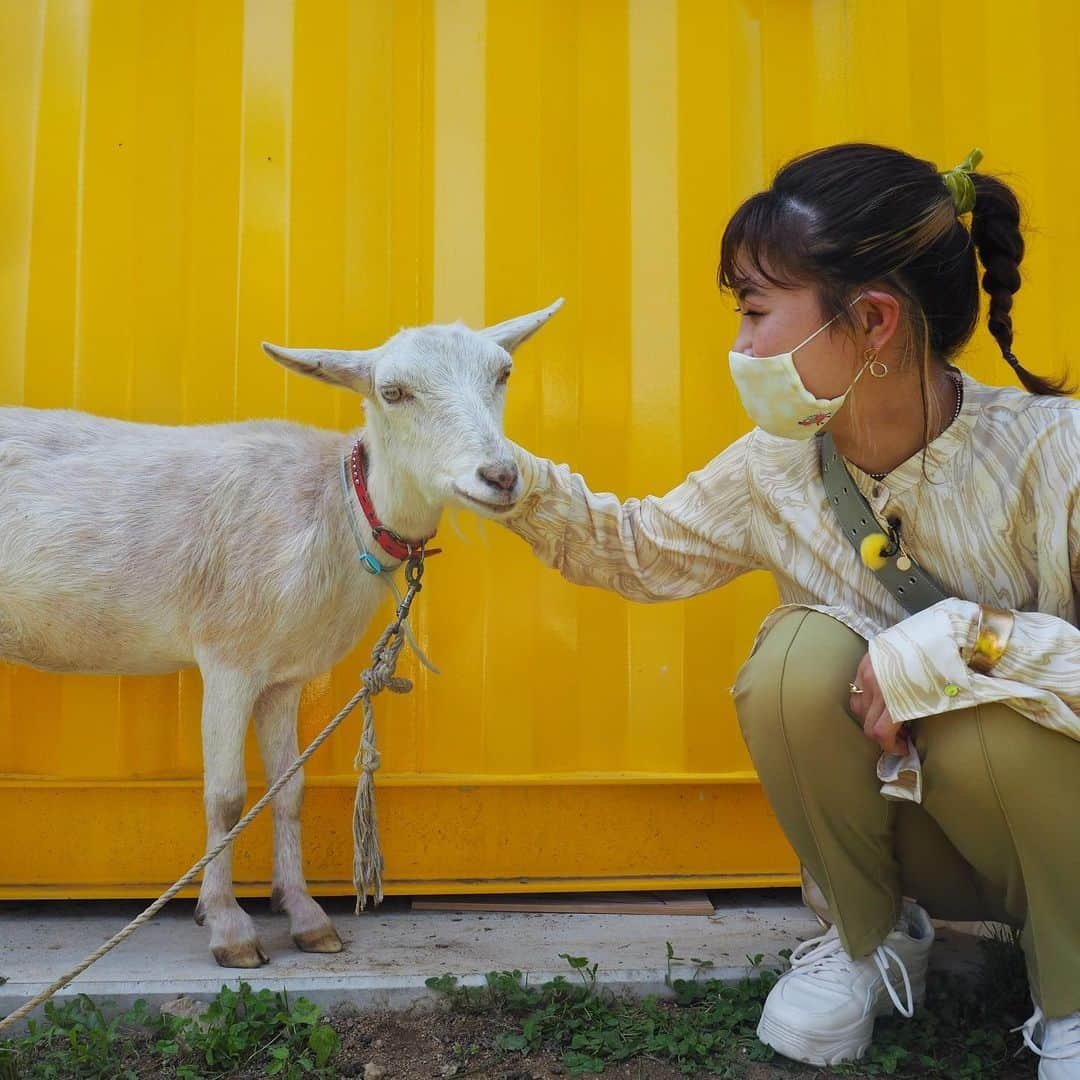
(416, 1045)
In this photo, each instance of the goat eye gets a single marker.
(504, 377)
(394, 394)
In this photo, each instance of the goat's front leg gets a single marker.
(275, 726)
(228, 697)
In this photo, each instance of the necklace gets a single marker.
(959, 384)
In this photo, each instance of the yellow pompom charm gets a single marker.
(875, 550)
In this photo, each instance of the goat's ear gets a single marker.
(513, 332)
(343, 367)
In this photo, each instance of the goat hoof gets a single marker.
(323, 939)
(248, 954)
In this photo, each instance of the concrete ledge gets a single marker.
(391, 951)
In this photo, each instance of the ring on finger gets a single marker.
(855, 689)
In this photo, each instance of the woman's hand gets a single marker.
(870, 708)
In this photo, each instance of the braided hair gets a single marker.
(995, 229)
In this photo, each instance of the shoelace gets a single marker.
(1069, 1050)
(826, 954)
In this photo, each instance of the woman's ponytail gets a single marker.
(995, 229)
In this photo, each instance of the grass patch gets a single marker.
(708, 1026)
(240, 1030)
(594, 1027)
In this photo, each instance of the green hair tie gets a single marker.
(961, 186)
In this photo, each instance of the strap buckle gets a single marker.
(370, 563)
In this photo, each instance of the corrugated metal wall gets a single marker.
(180, 181)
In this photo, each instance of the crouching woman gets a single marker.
(911, 708)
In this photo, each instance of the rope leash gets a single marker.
(367, 858)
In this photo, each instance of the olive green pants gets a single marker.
(995, 836)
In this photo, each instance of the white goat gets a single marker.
(138, 549)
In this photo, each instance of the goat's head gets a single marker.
(434, 398)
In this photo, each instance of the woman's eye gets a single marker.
(394, 394)
(750, 314)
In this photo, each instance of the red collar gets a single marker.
(394, 546)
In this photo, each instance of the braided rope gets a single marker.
(367, 860)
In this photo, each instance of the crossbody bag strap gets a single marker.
(912, 586)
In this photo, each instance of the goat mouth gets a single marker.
(493, 507)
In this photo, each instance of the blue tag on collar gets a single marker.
(370, 563)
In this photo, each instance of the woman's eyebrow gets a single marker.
(744, 291)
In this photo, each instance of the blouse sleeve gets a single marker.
(921, 669)
(921, 662)
(692, 539)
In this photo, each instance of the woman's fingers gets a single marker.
(870, 720)
(861, 693)
(857, 704)
(891, 737)
(871, 708)
(866, 677)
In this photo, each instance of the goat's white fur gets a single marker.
(134, 549)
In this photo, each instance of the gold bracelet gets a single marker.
(991, 638)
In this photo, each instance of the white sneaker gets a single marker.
(1060, 1050)
(823, 1010)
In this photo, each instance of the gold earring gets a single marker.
(878, 368)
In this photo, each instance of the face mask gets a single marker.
(777, 399)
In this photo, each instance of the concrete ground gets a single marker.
(391, 950)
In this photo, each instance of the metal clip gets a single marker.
(414, 571)
(903, 560)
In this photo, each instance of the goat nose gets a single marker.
(500, 477)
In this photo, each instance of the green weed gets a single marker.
(594, 1027)
(239, 1028)
(708, 1026)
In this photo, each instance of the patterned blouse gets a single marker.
(995, 519)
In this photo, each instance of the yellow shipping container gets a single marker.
(182, 180)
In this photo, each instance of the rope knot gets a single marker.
(377, 679)
(367, 759)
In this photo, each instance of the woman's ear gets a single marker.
(880, 317)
